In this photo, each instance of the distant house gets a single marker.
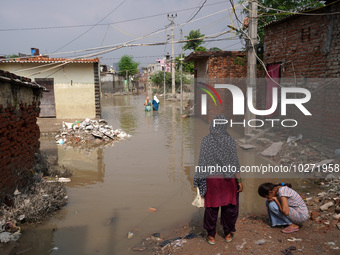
(306, 49)
(73, 84)
(217, 67)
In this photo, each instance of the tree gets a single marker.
(215, 49)
(127, 65)
(187, 66)
(194, 42)
(158, 79)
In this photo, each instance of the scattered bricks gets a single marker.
(314, 215)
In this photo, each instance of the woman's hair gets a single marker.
(264, 188)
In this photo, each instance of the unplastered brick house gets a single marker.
(215, 67)
(304, 50)
(19, 132)
(73, 84)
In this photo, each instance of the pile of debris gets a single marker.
(89, 133)
(35, 202)
(156, 244)
(288, 149)
(325, 206)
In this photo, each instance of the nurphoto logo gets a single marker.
(239, 102)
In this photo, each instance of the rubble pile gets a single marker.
(286, 149)
(44, 196)
(89, 133)
(158, 245)
(325, 206)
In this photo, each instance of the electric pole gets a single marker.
(181, 59)
(251, 67)
(171, 18)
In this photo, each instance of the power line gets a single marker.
(104, 24)
(90, 27)
(199, 9)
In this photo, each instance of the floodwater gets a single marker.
(113, 188)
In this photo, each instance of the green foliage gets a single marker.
(158, 79)
(193, 44)
(215, 49)
(240, 61)
(188, 67)
(127, 65)
(13, 56)
(200, 48)
(284, 5)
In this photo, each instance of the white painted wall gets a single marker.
(74, 89)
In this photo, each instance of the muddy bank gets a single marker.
(319, 235)
(44, 195)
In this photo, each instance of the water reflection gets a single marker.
(112, 189)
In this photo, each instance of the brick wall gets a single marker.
(308, 47)
(19, 135)
(220, 68)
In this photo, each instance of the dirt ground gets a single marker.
(319, 235)
(254, 236)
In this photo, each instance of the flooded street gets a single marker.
(113, 188)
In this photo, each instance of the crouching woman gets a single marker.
(284, 205)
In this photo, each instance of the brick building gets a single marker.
(19, 132)
(217, 67)
(304, 51)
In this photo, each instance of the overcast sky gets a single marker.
(69, 26)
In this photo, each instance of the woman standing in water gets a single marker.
(155, 103)
(147, 104)
(219, 189)
(284, 205)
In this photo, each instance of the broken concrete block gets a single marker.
(247, 146)
(326, 206)
(273, 149)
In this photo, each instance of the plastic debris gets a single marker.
(57, 179)
(293, 239)
(130, 235)
(260, 242)
(240, 247)
(152, 209)
(294, 138)
(289, 250)
(5, 237)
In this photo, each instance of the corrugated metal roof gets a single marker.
(44, 59)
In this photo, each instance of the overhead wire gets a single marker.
(199, 9)
(103, 24)
(142, 37)
(118, 46)
(90, 27)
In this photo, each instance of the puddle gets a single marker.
(112, 189)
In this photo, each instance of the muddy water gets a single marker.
(113, 188)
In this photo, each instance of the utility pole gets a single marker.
(251, 67)
(181, 59)
(127, 81)
(171, 18)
